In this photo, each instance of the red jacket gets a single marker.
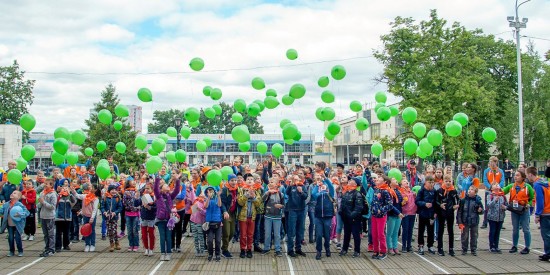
(30, 201)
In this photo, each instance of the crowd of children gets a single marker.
(263, 207)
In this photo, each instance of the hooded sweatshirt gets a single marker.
(542, 191)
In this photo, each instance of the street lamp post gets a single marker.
(178, 128)
(515, 23)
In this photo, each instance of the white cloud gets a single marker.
(109, 33)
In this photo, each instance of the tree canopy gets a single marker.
(15, 93)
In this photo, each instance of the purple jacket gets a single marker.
(164, 201)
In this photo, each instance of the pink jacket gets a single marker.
(189, 198)
(199, 217)
(410, 207)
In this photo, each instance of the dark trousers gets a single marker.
(545, 232)
(295, 234)
(14, 238)
(62, 229)
(75, 225)
(449, 223)
(30, 223)
(259, 231)
(177, 232)
(494, 233)
(122, 220)
(408, 227)
(214, 237)
(352, 227)
(186, 219)
(48, 229)
(423, 225)
(322, 231)
(469, 235)
(311, 217)
(484, 223)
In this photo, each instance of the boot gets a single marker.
(117, 245)
(112, 247)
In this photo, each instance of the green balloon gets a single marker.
(253, 109)
(287, 100)
(453, 128)
(181, 155)
(72, 158)
(289, 131)
(323, 81)
(101, 146)
(226, 171)
(117, 125)
(194, 124)
(27, 122)
(362, 124)
(327, 96)
(383, 114)
(333, 128)
(462, 118)
(103, 162)
(425, 146)
(271, 102)
(435, 137)
(237, 117)
(103, 171)
(152, 152)
(329, 136)
(153, 164)
(206, 90)
(209, 113)
(196, 64)
(420, 154)
(291, 54)
(271, 92)
(394, 111)
(105, 116)
(201, 146)
(192, 114)
(284, 122)
(208, 141)
(171, 132)
(277, 150)
(260, 104)
(319, 114)
(240, 134)
(28, 152)
(21, 164)
(62, 132)
(355, 106)
(171, 156)
(185, 132)
(164, 137)
(376, 149)
(214, 178)
(216, 94)
(416, 189)
(78, 137)
(489, 134)
(394, 173)
(89, 152)
(297, 91)
(218, 109)
(380, 97)
(120, 147)
(289, 141)
(145, 95)
(338, 72)
(419, 129)
(158, 145)
(328, 114)
(298, 136)
(258, 83)
(378, 106)
(15, 176)
(57, 158)
(244, 146)
(61, 145)
(409, 115)
(141, 142)
(410, 145)
(239, 105)
(261, 147)
(122, 111)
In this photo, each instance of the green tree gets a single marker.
(15, 93)
(442, 70)
(97, 131)
(221, 124)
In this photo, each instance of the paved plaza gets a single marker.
(122, 262)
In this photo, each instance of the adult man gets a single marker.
(508, 171)
(385, 166)
(6, 188)
(491, 175)
(542, 211)
(115, 167)
(297, 194)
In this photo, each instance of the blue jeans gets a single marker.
(322, 230)
(258, 232)
(90, 240)
(485, 211)
(296, 226)
(494, 233)
(369, 234)
(132, 224)
(103, 226)
(522, 220)
(311, 217)
(545, 232)
(165, 237)
(14, 238)
(75, 225)
(408, 227)
(272, 226)
(392, 227)
(340, 224)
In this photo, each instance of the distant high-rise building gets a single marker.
(135, 119)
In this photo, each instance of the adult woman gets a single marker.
(469, 179)
(521, 194)
(350, 211)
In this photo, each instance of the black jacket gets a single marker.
(450, 200)
(227, 198)
(425, 196)
(351, 204)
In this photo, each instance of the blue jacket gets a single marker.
(367, 189)
(4, 211)
(213, 212)
(468, 212)
(539, 187)
(397, 207)
(382, 202)
(64, 206)
(6, 191)
(296, 200)
(149, 214)
(112, 204)
(488, 184)
(425, 196)
(324, 206)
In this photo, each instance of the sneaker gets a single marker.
(338, 246)
(375, 256)
(20, 254)
(544, 257)
(218, 258)
(451, 253)
(464, 252)
(440, 252)
(11, 254)
(150, 252)
(146, 253)
(249, 254)
(327, 254)
(264, 252)
(370, 248)
(525, 251)
(301, 253)
(75, 241)
(87, 248)
(31, 238)
(318, 256)
(483, 226)
(292, 254)
(135, 249)
(421, 250)
(278, 254)
(67, 248)
(242, 255)
(227, 255)
(498, 251)
(474, 253)
(210, 257)
(121, 235)
(356, 254)
(493, 250)
(396, 252)
(257, 248)
(92, 248)
(513, 249)
(130, 248)
(24, 237)
(103, 238)
(202, 254)
(382, 256)
(44, 254)
(431, 250)
(343, 253)
(178, 249)
(409, 249)
(162, 257)
(168, 257)
(57, 250)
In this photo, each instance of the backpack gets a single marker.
(128, 203)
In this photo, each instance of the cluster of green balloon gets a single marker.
(383, 113)
(489, 134)
(196, 64)
(178, 156)
(255, 108)
(290, 131)
(410, 145)
(202, 145)
(394, 173)
(15, 176)
(145, 95)
(27, 122)
(453, 128)
(277, 150)
(214, 177)
(376, 149)
(240, 133)
(153, 164)
(213, 93)
(325, 113)
(271, 102)
(102, 169)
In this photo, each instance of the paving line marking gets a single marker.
(161, 262)
(534, 250)
(430, 262)
(290, 266)
(26, 266)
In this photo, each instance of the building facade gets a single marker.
(10, 143)
(135, 119)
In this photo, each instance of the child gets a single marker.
(164, 207)
(274, 204)
(111, 208)
(189, 199)
(148, 212)
(323, 194)
(76, 213)
(198, 215)
(425, 201)
(63, 217)
(382, 202)
(447, 203)
(48, 201)
(395, 216)
(179, 206)
(496, 212)
(468, 220)
(90, 201)
(213, 204)
(14, 223)
(131, 202)
(409, 212)
(28, 198)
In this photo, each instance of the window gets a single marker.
(375, 131)
(346, 134)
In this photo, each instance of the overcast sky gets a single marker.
(238, 40)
